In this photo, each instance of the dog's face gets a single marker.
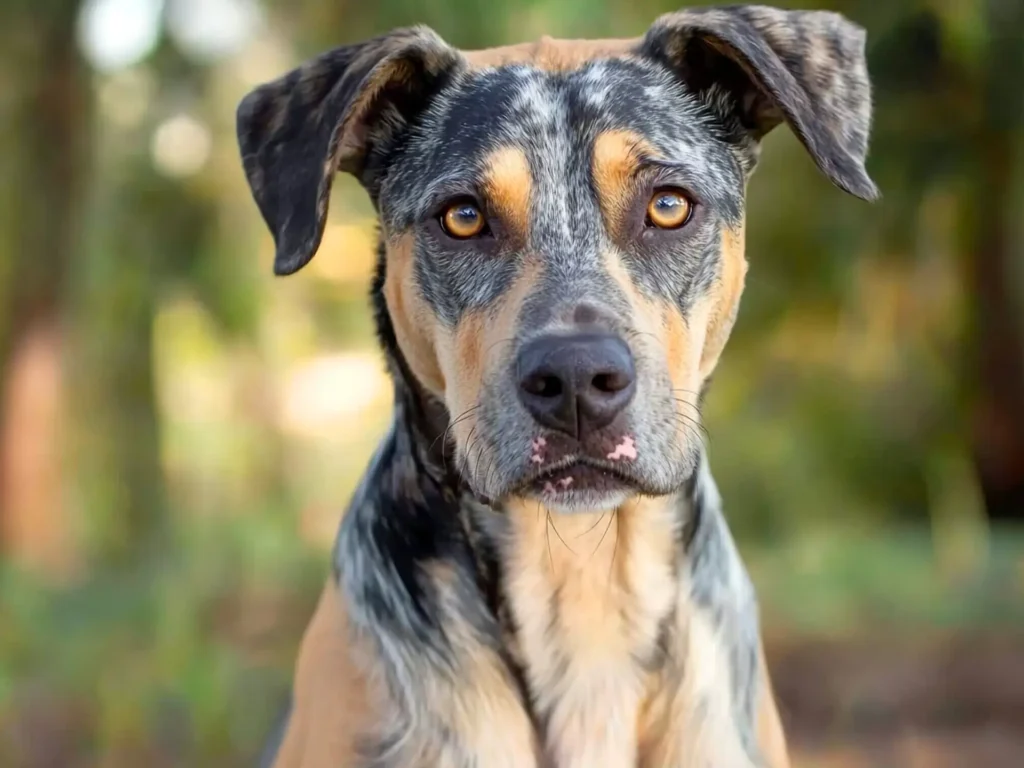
(562, 222)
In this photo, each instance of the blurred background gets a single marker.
(180, 431)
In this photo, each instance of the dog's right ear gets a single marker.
(326, 116)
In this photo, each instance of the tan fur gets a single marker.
(334, 704)
(337, 706)
(481, 340)
(665, 332)
(507, 182)
(613, 167)
(724, 299)
(588, 591)
(450, 363)
(414, 323)
(551, 54)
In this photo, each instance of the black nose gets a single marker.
(576, 384)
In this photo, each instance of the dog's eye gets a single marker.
(668, 209)
(463, 220)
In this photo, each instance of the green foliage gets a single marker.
(190, 654)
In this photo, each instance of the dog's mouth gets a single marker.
(578, 478)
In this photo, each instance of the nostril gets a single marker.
(541, 385)
(575, 384)
(611, 382)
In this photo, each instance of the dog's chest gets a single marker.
(594, 601)
(612, 647)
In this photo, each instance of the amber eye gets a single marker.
(668, 209)
(462, 220)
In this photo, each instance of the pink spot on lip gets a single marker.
(626, 450)
(538, 445)
(560, 484)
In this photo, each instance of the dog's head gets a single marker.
(562, 222)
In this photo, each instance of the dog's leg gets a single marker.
(341, 717)
(332, 702)
(448, 698)
(459, 712)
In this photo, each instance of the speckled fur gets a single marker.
(476, 624)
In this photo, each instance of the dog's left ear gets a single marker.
(806, 68)
(330, 115)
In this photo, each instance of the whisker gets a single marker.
(615, 546)
(696, 417)
(687, 402)
(702, 436)
(547, 536)
(682, 418)
(685, 391)
(559, 535)
(444, 435)
(634, 333)
(592, 527)
(465, 459)
(509, 340)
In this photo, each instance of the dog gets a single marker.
(535, 569)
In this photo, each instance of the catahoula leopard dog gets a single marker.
(535, 569)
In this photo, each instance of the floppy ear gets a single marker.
(804, 67)
(326, 116)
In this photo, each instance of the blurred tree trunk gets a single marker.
(116, 444)
(997, 267)
(47, 122)
(145, 228)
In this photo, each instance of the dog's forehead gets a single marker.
(551, 100)
(552, 54)
(599, 94)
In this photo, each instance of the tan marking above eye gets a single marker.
(669, 209)
(507, 183)
(614, 168)
(463, 220)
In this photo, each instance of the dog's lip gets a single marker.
(569, 462)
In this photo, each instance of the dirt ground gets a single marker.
(941, 703)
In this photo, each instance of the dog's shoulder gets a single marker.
(333, 704)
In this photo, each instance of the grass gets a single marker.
(847, 583)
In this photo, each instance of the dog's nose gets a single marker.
(576, 384)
